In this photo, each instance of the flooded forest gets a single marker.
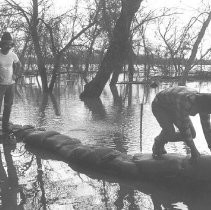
(90, 70)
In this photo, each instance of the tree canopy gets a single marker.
(51, 38)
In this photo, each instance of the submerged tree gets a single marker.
(48, 39)
(190, 62)
(117, 51)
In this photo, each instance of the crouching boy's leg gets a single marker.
(165, 121)
(158, 148)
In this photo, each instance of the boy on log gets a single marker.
(173, 106)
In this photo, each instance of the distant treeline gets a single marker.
(77, 60)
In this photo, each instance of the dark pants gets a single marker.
(6, 93)
(167, 120)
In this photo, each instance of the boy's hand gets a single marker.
(15, 77)
(194, 157)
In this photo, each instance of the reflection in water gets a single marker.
(41, 183)
(130, 89)
(44, 104)
(126, 193)
(12, 196)
(45, 101)
(96, 108)
(134, 194)
(114, 120)
(98, 111)
(117, 98)
(104, 193)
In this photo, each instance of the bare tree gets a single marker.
(190, 62)
(176, 42)
(182, 44)
(117, 51)
(37, 23)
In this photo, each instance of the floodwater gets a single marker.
(32, 181)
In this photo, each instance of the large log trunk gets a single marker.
(117, 51)
(171, 168)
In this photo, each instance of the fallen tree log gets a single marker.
(172, 167)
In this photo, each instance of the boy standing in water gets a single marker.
(9, 68)
(173, 106)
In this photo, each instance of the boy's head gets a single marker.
(203, 102)
(6, 41)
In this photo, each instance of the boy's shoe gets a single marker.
(158, 149)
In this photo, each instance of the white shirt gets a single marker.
(6, 67)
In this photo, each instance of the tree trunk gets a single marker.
(131, 68)
(117, 51)
(40, 62)
(90, 51)
(57, 63)
(192, 57)
(37, 48)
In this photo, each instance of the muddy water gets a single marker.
(32, 180)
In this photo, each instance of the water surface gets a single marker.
(114, 121)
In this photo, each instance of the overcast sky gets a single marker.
(151, 3)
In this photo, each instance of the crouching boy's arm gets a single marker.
(205, 122)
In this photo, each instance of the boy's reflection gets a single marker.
(10, 190)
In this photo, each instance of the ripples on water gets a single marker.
(110, 121)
